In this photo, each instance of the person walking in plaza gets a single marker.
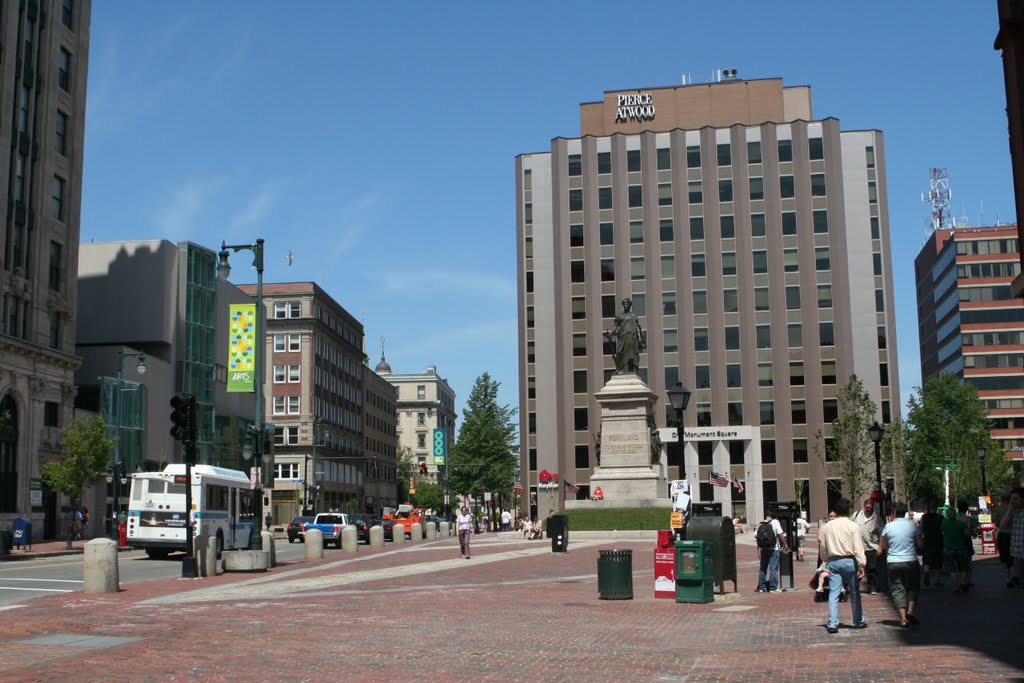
(1015, 515)
(506, 521)
(801, 537)
(870, 527)
(844, 551)
(464, 523)
(956, 540)
(770, 543)
(931, 532)
(900, 543)
(1004, 523)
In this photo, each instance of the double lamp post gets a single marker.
(258, 431)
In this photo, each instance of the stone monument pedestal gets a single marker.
(627, 470)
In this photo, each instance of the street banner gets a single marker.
(440, 446)
(242, 348)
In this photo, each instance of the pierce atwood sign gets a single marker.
(635, 107)
(242, 348)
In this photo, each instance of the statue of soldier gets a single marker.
(629, 339)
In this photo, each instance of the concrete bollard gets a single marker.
(398, 534)
(314, 544)
(101, 572)
(269, 545)
(445, 530)
(199, 548)
(377, 536)
(431, 530)
(416, 531)
(349, 539)
(209, 565)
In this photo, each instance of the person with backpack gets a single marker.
(771, 541)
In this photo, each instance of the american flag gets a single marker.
(738, 484)
(570, 487)
(517, 489)
(718, 479)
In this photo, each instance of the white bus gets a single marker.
(221, 507)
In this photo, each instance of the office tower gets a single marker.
(753, 241)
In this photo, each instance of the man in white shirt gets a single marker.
(506, 521)
(768, 573)
(843, 552)
(870, 529)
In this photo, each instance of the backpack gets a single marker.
(765, 536)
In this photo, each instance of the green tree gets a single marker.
(405, 468)
(947, 424)
(87, 456)
(428, 495)
(910, 481)
(485, 455)
(850, 455)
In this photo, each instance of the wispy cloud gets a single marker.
(256, 209)
(356, 217)
(449, 340)
(435, 279)
(184, 204)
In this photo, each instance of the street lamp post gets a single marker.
(679, 397)
(118, 474)
(258, 431)
(876, 432)
(982, 452)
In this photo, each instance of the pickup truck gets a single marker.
(330, 525)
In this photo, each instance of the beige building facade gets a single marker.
(44, 53)
(751, 238)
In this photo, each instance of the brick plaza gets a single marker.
(514, 612)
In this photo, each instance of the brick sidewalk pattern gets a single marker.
(514, 612)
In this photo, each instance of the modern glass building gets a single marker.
(753, 240)
(971, 325)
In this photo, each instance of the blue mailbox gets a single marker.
(21, 529)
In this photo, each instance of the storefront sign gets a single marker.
(635, 107)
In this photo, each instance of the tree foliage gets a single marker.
(909, 480)
(850, 456)
(947, 424)
(87, 456)
(428, 496)
(405, 468)
(485, 455)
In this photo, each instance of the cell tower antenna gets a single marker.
(939, 196)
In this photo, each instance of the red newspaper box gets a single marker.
(988, 539)
(665, 573)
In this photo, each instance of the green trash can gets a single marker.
(615, 574)
(6, 537)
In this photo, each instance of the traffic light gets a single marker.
(423, 468)
(183, 418)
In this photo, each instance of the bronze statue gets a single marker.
(629, 339)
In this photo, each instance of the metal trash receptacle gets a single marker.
(615, 574)
(557, 529)
(720, 535)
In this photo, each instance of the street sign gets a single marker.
(440, 446)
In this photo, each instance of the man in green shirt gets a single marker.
(956, 539)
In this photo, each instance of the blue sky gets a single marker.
(376, 141)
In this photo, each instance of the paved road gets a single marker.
(27, 579)
(514, 612)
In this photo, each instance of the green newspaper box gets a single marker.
(695, 572)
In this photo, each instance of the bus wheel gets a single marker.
(157, 553)
(220, 544)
